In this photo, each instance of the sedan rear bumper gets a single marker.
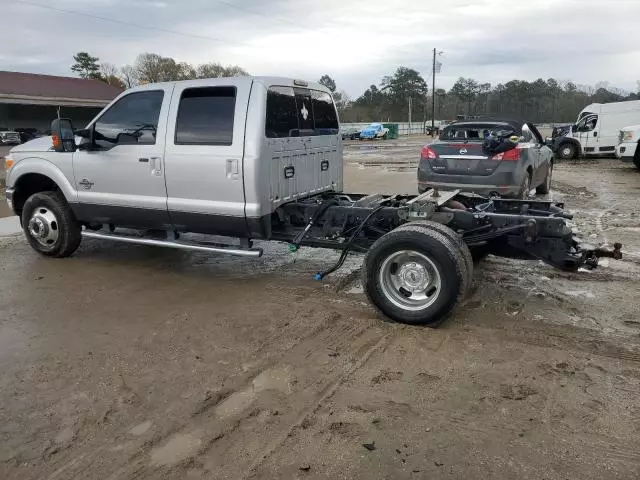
(505, 180)
(480, 189)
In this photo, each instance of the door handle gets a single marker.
(143, 160)
(595, 134)
(156, 165)
(232, 168)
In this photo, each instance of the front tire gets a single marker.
(567, 151)
(414, 275)
(636, 157)
(50, 226)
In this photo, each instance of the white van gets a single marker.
(597, 130)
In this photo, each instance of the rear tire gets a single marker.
(525, 188)
(567, 151)
(414, 275)
(636, 157)
(50, 226)
(465, 254)
(546, 186)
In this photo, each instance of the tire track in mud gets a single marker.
(327, 392)
(216, 436)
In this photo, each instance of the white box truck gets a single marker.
(597, 130)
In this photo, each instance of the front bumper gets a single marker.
(626, 151)
(485, 190)
(9, 197)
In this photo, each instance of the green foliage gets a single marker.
(328, 82)
(86, 66)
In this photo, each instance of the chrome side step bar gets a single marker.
(198, 247)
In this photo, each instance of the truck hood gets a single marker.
(41, 144)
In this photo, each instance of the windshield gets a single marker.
(474, 131)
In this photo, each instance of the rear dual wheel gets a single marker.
(417, 273)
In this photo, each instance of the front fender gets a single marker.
(62, 174)
(572, 141)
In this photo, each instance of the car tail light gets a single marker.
(513, 154)
(428, 152)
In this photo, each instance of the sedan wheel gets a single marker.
(526, 187)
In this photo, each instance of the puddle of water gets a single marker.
(580, 293)
(179, 448)
(141, 428)
(278, 379)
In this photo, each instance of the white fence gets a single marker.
(404, 128)
(418, 128)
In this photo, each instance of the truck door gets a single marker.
(121, 179)
(587, 132)
(204, 156)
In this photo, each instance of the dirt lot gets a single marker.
(134, 362)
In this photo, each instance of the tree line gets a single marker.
(539, 101)
(148, 68)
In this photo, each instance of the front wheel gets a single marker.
(414, 275)
(50, 226)
(567, 151)
(636, 157)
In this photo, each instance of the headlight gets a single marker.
(626, 135)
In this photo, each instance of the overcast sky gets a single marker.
(357, 42)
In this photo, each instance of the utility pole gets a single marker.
(433, 96)
(409, 115)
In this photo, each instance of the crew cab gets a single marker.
(628, 150)
(256, 159)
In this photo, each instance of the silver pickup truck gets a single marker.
(261, 159)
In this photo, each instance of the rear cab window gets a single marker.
(299, 112)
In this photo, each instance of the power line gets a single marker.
(131, 24)
(253, 12)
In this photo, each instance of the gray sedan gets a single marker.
(502, 158)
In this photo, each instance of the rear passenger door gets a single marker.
(204, 153)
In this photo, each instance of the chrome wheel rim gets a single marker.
(43, 227)
(567, 151)
(410, 280)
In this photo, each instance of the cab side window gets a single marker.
(132, 120)
(206, 116)
(527, 135)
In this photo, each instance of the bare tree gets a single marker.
(129, 76)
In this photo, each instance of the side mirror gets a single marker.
(62, 135)
(86, 135)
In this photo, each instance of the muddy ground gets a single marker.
(134, 362)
